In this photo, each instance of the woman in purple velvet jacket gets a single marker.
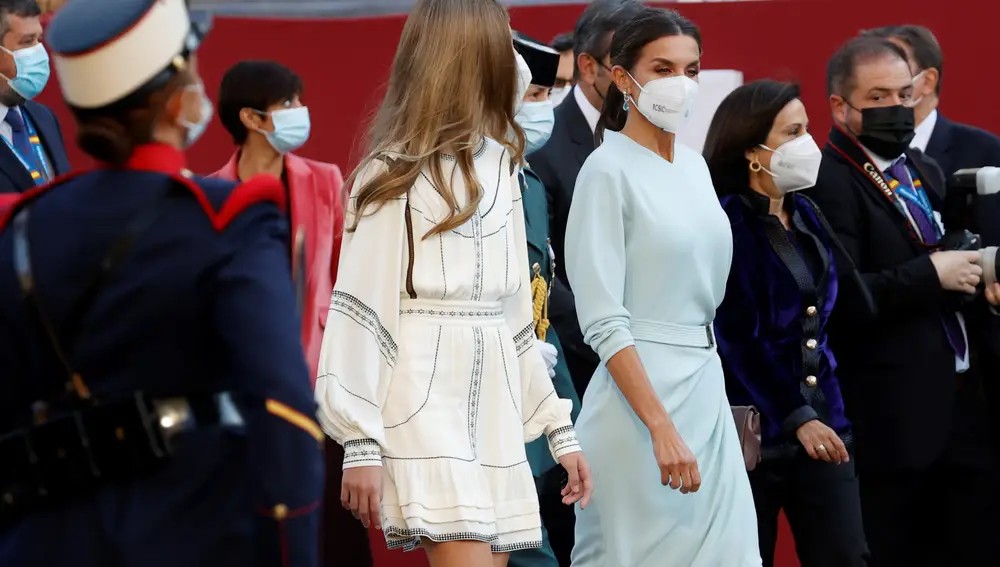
(771, 327)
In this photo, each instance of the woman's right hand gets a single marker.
(678, 467)
(821, 442)
(361, 493)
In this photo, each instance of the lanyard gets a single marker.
(914, 193)
(39, 177)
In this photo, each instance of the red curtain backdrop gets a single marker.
(344, 64)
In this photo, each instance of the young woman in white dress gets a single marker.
(429, 374)
(648, 249)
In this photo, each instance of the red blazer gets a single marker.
(315, 190)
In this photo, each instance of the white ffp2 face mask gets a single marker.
(795, 164)
(667, 102)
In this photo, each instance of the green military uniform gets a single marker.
(536, 224)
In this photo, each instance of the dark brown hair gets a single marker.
(626, 48)
(111, 133)
(742, 122)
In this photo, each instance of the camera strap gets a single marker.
(118, 251)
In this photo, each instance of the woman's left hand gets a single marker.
(580, 485)
(992, 294)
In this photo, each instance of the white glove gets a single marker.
(549, 354)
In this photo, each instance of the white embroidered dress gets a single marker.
(442, 390)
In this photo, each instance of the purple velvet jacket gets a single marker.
(765, 323)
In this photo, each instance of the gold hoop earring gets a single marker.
(755, 165)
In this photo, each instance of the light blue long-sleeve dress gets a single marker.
(648, 250)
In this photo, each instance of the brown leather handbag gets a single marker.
(748, 428)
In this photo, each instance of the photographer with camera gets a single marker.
(909, 378)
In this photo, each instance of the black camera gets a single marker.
(965, 187)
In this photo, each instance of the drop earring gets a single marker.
(755, 165)
(625, 104)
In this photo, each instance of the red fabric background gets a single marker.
(344, 64)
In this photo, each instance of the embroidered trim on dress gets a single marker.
(477, 232)
(362, 451)
(475, 386)
(524, 339)
(367, 317)
(409, 539)
(563, 441)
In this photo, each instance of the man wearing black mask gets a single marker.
(909, 371)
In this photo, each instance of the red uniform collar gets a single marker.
(157, 157)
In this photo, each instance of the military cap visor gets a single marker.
(105, 50)
(541, 59)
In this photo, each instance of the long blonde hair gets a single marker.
(453, 82)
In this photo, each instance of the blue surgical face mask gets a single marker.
(32, 70)
(291, 129)
(536, 119)
(196, 128)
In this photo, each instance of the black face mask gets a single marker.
(887, 130)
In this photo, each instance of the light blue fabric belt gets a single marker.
(700, 336)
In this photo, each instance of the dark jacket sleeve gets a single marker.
(896, 291)
(254, 312)
(743, 337)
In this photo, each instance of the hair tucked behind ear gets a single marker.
(626, 47)
(111, 133)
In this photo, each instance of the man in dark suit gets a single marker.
(33, 151)
(559, 161)
(952, 144)
(909, 370)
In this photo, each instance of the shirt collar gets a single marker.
(878, 161)
(593, 115)
(922, 133)
(4, 109)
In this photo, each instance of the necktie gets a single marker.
(21, 141)
(924, 224)
(899, 172)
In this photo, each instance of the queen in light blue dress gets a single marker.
(648, 250)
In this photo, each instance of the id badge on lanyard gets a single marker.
(41, 174)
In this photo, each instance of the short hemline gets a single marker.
(410, 540)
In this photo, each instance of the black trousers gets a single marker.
(822, 505)
(343, 540)
(947, 513)
(559, 519)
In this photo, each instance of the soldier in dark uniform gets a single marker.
(156, 406)
(536, 118)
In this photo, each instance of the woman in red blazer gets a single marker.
(260, 108)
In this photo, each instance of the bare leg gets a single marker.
(459, 554)
(500, 559)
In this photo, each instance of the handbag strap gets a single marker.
(61, 342)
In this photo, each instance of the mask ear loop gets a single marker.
(628, 95)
